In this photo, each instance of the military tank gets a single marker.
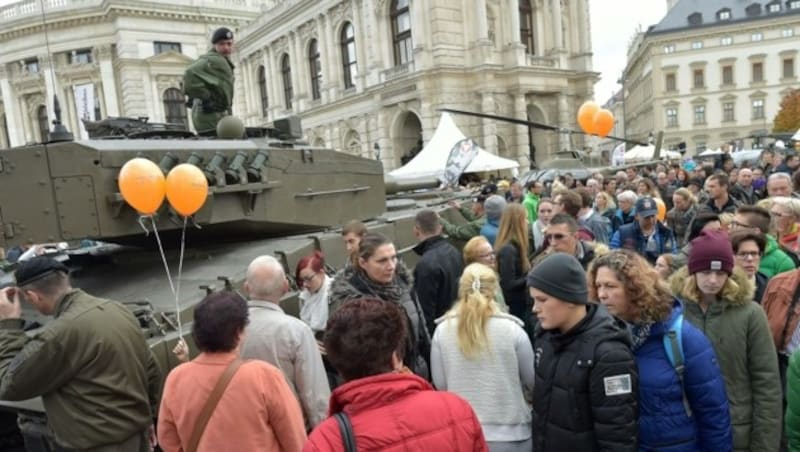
(269, 194)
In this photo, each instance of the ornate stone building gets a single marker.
(712, 72)
(368, 76)
(131, 54)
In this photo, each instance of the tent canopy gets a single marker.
(646, 153)
(432, 159)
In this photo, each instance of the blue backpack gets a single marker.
(673, 345)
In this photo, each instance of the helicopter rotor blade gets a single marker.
(534, 124)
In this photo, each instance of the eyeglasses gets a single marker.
(556, 236)
(735, 225)
(489, 255)
(748, 254)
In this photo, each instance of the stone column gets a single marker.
(521, 149)
(16, 131)
(558, 32)
(563, 121)
(51, 85)
(489, 126)
(513, 6)
(481, 20)
(298, 69)
(361, 45)
(104, 55)
(29, 130)
(586, 27)
(325, 49)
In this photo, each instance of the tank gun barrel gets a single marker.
(394, 185)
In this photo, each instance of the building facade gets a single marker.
(712, 72)
(369, 76)
(102, 58)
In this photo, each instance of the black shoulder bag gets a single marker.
(346, 430)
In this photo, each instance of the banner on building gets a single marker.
(84, 104)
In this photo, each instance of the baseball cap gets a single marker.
(646, 207)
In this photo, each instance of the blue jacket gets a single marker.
(663, 423)
(489, 230)
(630, 237)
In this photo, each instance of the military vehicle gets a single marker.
(269, 194)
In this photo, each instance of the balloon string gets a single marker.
(178, 282)
(163, 256)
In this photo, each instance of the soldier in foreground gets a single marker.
(208, 82)
(91, 365)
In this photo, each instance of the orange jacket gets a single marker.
(776, 301)
(257, 411)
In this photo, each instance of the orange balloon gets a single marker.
(586, 116)
(662, 209)
(603, 122)
(141, 184)
(187, 189)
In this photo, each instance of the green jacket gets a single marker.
(91, 365)
(463, 231)
(209, 80)
(775, 260)
(793, 403)
(738, 330)
(531, 203)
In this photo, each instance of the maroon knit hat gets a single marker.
(711, 250)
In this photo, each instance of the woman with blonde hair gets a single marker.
(686, 395)
(479, 250)
(484, 356)
(512, 261)
(604, 205)
(719, 302)
(785, 215)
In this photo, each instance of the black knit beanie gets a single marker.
(560, 276)
(221, 34)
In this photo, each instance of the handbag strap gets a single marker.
(211, 403)
(346, 430)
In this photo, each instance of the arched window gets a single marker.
(526, 25)
(349, 55)
(315, 68)
(175, 107)
(262, 88)
(44, 126)
(401, 32)
(286, 73)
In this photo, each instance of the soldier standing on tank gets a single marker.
(91, 364)
(208, 82)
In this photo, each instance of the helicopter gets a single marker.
(567, 161)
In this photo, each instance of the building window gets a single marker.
(526, 25)
(671, 84)
(758, 72)
(699, 78)
(788, 68)
(161, 47)
(83, 56)
(757, 36)
(728, 112)
(672, 117)
(669, 48)
(724, 14)
(697, 45)
(349, 55)
(699, 114)
(44, 126)
(787, 32)
(794, 4)
(175, 107)
(774, 7)
(315, 68)
(401, 32)
(31, 66)
(700, 146)
(726, 41)
(286, 74)
(758, 109)
(262, 89)
(727, 75)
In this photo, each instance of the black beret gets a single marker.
(221, 34)
(489, 190)
(37, 268)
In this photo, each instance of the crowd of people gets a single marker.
(656, 309)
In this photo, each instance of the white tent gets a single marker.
(708, 152)
(432, 159)
(796, 135)
(646, 153)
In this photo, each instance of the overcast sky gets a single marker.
(614, 22)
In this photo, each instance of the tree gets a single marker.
(788, 118)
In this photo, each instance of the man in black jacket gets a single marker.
(439, 268)
(587, 386)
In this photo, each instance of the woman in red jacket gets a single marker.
(387, 406)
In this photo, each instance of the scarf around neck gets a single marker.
(639, 333)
